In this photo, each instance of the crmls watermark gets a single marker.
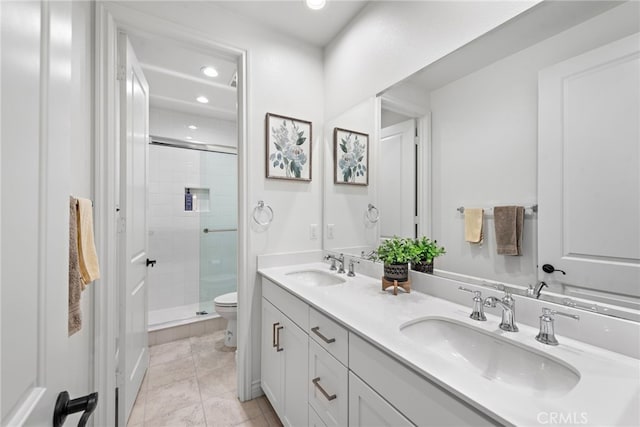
(563, 418)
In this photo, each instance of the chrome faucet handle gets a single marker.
(341, 261)
(333, 262)
(352, 263)
(546, 335)
(478, 311)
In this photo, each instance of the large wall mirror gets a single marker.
(541, 112)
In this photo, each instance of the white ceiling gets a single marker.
(295, 19)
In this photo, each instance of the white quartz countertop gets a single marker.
(607, 394)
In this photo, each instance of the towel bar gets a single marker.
(532, 208)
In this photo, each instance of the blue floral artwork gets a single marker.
(351, 157)
(288, 148)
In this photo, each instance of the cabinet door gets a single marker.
(368, 409)
(271, 360)
(293, 342)
(328, 386)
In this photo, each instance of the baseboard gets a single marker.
(256, 389)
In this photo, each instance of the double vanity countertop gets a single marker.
(606, 393)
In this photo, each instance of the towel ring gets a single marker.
(373, 215)
(257, 213)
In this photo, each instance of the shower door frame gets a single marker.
(109, 20)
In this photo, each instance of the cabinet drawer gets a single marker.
(328, 386)
(423, 402)
(294, 308)
(331, 336)
(314, 419)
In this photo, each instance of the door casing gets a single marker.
(109, 21)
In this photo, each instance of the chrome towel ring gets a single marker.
(373, 215)
(261, 211)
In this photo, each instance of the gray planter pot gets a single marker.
(399, 272)
(423, 267)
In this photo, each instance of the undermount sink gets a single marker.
(316, 277)
(493, 357)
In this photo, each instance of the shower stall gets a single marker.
(192, 232)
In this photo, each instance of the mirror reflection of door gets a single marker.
(397, 177)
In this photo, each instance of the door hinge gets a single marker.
(120, 72)
(416, 140)
(416, 220)
(122, 225)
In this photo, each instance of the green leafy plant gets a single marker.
(426, 250)
(396, 251)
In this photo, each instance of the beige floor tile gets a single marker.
(170, 351)
(273, 419)
(210, 342)
(189, 416)
(171, 372)
(207, 362)
(260, 421)
(229, 411)
(264, 404)
(164, 400)
(218, 383)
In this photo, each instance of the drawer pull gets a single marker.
(273, 334)
(316, 331)
(278, 329)
(316, 382)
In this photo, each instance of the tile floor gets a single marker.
(192, 383)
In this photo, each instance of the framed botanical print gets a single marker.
(350, 157)
(288, 152)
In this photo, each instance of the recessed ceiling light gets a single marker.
(188, 137)
(209, 71)
(316, 4)
(192, 127)
(202, 99)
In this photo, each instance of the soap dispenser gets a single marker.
(188, 200)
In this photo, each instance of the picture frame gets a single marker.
(350, 157)
(289, 148)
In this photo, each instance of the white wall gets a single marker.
(174, 124)
(285, 77)
(484, 146)
(345, 205)
(388, 41)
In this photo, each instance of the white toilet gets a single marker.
(227, 307)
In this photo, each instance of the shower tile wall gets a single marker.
(174, 235)
(193, 267)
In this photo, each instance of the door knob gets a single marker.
(65, 406)
(548, 268)
(151, 262)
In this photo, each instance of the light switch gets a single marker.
(313, 231)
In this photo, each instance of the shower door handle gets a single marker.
(273, 335)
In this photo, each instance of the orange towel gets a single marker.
(74, 322)
(89, 266)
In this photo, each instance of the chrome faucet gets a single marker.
(352, 263)
(508, 305)
(339, 259)
(535, 291)
(477, 312)
(547, 332)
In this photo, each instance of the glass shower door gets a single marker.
(218, 225)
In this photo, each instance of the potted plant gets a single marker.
(426, 250)
(396, 253)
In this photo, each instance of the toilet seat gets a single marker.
(227, 300)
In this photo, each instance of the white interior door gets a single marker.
(397, 180)
(35, 180)
(133, 354)
(589, 171)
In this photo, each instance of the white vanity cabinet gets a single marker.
(285, 352)
(317, 372)
(368, 409)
